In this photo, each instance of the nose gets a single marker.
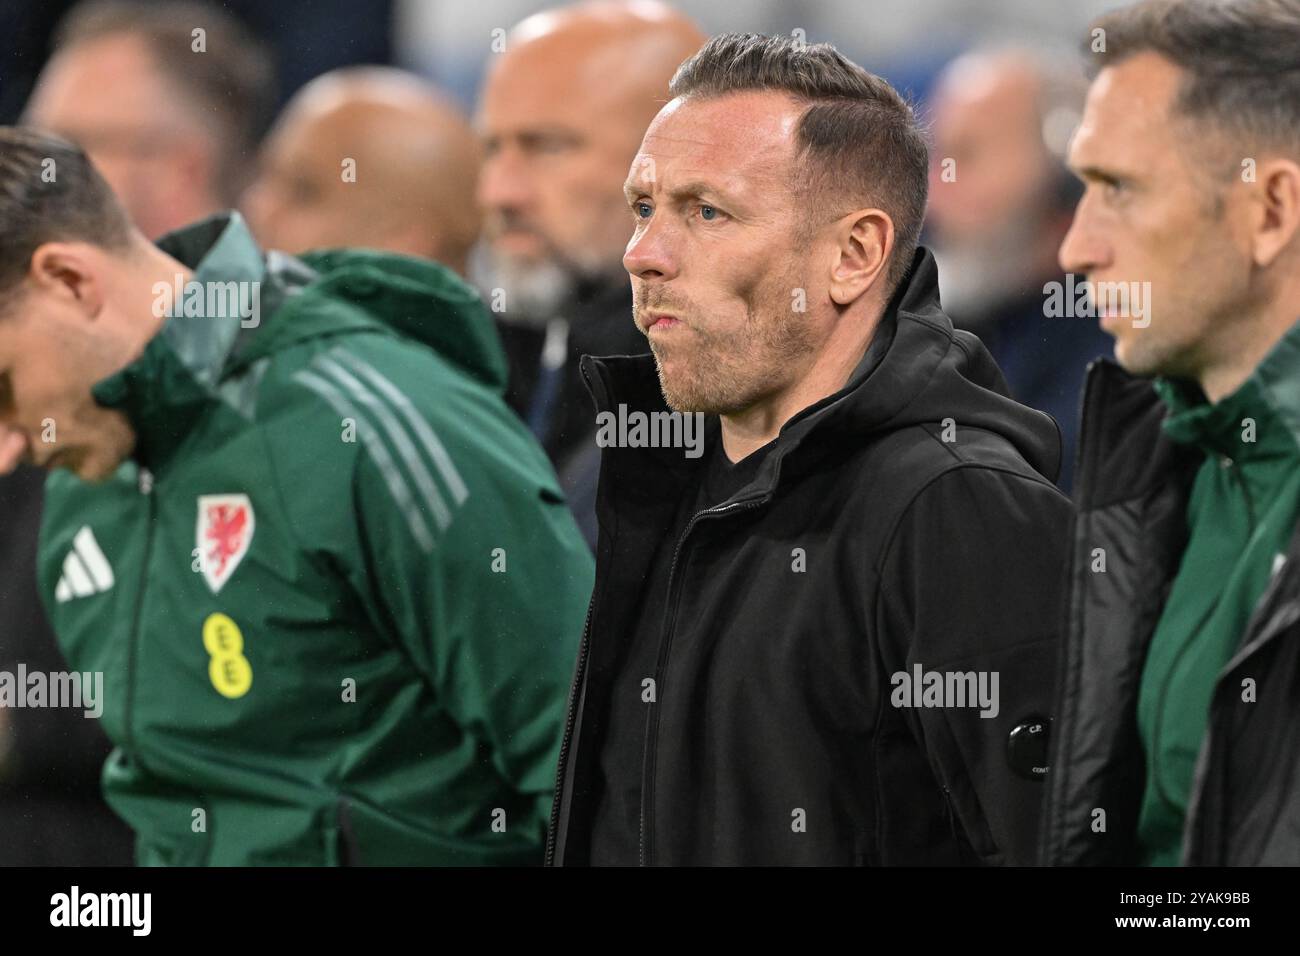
(650, 253)
(1083, 250)
(503, 181)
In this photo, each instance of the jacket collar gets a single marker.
(1270, 398)
(165, 389)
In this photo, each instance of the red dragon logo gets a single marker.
(224, 533)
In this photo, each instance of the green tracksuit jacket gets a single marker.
(1240, 517)
(336, 594)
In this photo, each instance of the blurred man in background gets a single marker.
(562, 115)
(1000, 203)
(167, 99)
(1178, 731)
(373, 157)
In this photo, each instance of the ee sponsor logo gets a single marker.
(228, 669)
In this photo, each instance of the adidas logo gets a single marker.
(85, 570)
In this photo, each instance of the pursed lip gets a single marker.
(650, 320)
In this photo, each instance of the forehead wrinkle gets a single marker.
(752, 144)
(758, 167)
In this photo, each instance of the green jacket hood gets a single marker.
(276, 301)
(417, 298)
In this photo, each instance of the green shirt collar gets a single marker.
(176, 375)
(221, 251)
(1270, 398)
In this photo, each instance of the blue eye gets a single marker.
(708, 213)
(638, 207)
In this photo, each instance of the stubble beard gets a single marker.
(114, 443)
(727, 373)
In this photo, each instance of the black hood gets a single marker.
(917, 370)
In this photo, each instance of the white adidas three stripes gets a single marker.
(85, 570)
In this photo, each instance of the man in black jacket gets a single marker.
(1178, 731)
(824, 623)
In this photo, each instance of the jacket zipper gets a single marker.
(146, 486)
(646, 836)
(579, 675)
(1089, 384)
(1060, 748)
(950, 814)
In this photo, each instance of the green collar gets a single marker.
(220, 250)
(1270, 398)
(164, 390)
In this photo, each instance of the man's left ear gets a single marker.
(71, 272)
(1277, 217)
(865, 241)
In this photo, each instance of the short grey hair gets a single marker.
(858, 138)
(1242, 59)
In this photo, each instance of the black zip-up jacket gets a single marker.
(921, 496)
(1132, 488)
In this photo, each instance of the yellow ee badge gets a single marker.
(229, 670)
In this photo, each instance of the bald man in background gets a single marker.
(409, 186)
(562, 113)
(998, 212)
